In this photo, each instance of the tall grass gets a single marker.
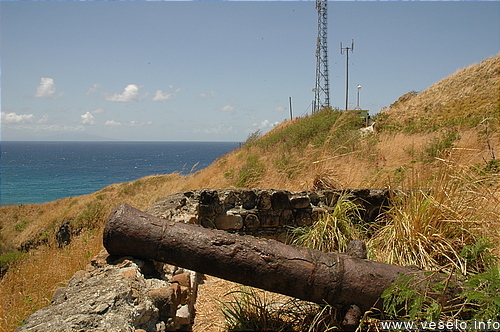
(429, 227)
(333, 231)
(251, 309)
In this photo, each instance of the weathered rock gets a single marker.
(111, 295)
(263, 209)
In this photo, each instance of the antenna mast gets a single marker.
(346, 49)
(322, 88)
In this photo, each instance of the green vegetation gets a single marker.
(474, 296)
(9, 258)
(89, 218)
(21, 225)
(250, 309)
(333, 231)
(250, 172)
(439, 147)
(312, 129)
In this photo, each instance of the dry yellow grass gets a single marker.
(462, 99)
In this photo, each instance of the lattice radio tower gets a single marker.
(322, 88)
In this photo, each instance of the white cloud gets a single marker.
(227, 108)
(208, 95)
(266, 124)
(44, 119)
(13, 117)
(97, 110)
(279, 109)
(87, 118)
(46, 89)
(133, 123)
(220, 129)
(112, 123)
(164, 95)
(130, 93)
(93, 89)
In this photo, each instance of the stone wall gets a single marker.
(263, 212)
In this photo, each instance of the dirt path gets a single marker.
(211, 293)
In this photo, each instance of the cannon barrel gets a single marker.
(299, 272)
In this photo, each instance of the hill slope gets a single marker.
(449, 133)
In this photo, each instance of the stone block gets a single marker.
(269, 218)
(252, 221)
(303, 217)
(183, 279)
(280, 200)
(264, 201)
(287, 218)
(207, 223)
(184, 315)
(165, 300)
(248, 199)
(300, 202)
(205, 210)
(228, 221)
(317, 212)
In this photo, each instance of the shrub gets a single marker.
(429, 228)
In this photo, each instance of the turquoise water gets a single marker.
(38, 172)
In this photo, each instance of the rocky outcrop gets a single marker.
(120, 294)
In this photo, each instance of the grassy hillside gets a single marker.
(445, 139)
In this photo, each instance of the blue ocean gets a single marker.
(38, 172)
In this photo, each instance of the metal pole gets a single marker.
(347, 70)
(347, 78)
(290, 100)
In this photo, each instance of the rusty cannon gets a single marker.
(303, 273)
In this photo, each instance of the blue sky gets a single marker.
(217, 71)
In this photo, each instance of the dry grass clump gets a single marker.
(429, 225)
(333, 231)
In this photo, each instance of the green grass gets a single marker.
(312, 129)
(251, 171)
(249, 309)
(333, 231)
